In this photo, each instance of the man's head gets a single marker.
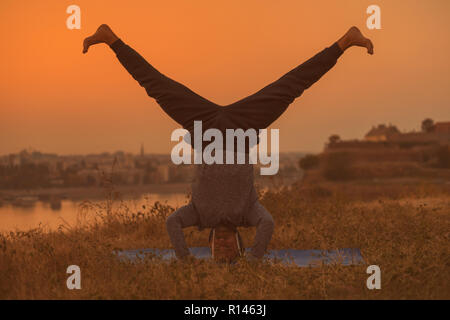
(225, 243)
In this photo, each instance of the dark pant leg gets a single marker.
(179, 102)
(184, 217)
(259, 110)
(258, 216)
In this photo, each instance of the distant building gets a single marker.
(14, 160)
(381, 133)
(439, 133)
(4, 161)
(163, 172)
(57, 182)
(89, 176)
(418, 137)
(441, 127)
(25, 157)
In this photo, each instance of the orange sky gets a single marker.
(55, 99)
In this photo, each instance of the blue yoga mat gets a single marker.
(302, 258)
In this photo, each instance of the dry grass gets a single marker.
(406, 235)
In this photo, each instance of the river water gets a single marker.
(23, 218)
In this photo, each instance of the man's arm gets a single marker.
(184, 217)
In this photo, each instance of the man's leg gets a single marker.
(259, 110)
(184, 217)
(258, 216)
(179, 102)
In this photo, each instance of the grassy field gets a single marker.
(401, 227)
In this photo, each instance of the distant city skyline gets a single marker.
(141, 145)
(134, 153)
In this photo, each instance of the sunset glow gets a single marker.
(55, 99)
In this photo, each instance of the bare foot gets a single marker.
(103, 34)
(354, 37)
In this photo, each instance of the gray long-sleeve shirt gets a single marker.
(223, 192)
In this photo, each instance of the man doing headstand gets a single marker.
(223, 195)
